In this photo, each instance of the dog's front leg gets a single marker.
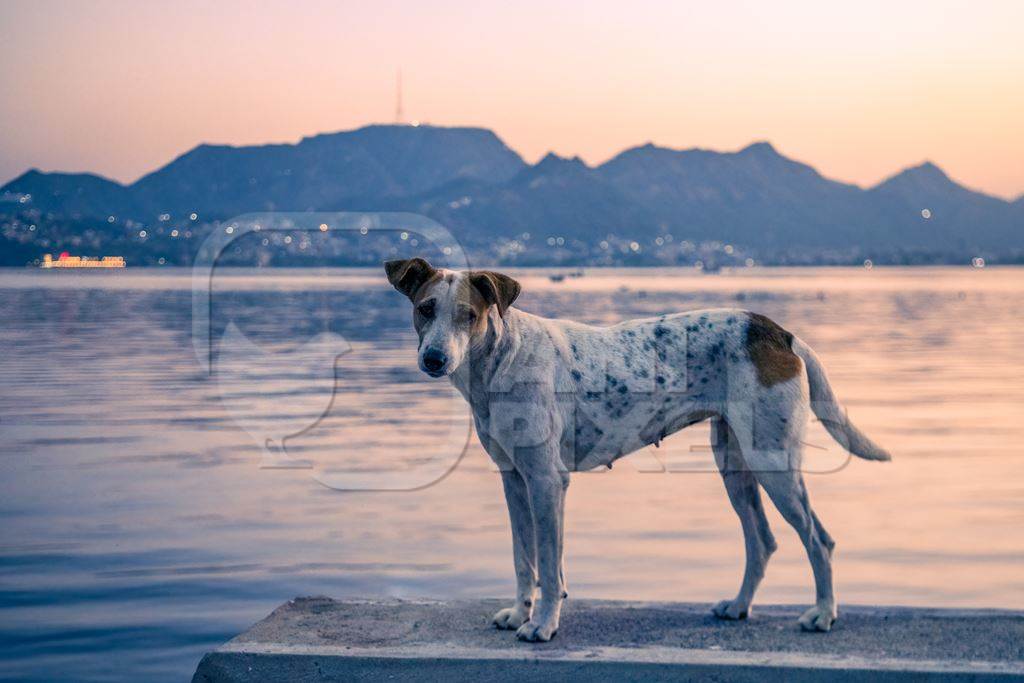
(524, 551)
(546, 487)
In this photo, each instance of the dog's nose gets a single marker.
(434, 360)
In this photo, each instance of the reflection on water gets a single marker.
(138, 529)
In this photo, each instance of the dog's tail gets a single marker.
(828, 409)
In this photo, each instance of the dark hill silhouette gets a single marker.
(71, 193)
(753, 196)
(557, 196)
(347, 169)
(468, 179)
(958, 217)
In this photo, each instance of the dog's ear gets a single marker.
(408, 275)
(496, 289)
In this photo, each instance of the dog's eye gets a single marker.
(471, 316)
(426, 309)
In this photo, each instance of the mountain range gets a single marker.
(472, 182)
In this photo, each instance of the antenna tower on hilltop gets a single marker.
(399, 114)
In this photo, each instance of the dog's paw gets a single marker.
(535, 632)
(509, 618)
(731, 610)
(818, 618)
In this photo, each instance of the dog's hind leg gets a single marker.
(745, 497)
(789, 494)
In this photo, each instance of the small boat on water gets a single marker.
(560, 277)
(66, 260)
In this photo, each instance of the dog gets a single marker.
(553, 396)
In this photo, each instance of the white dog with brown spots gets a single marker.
(554, 396)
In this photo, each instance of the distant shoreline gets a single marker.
(540, 269)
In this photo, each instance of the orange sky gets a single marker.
(859, 92)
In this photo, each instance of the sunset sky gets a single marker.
(859, 91)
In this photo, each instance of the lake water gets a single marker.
(138, 528)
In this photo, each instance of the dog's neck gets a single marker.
(491, 356)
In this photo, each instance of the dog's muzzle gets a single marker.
(434, 362)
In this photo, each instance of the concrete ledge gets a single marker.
(312, 639)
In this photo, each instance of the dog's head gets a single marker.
(451, 309)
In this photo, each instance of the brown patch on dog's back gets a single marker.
(770, 349)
